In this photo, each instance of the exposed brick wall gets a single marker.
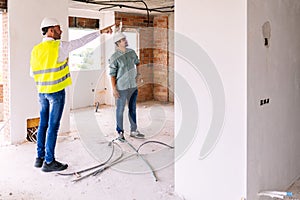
(83, 22)
(146, 63)
(145, 50)
(154, 55)
(133, 20)
(3, 4)
(160, 58)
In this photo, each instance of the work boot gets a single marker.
(137, 134)
(54, 166)
(39, 162)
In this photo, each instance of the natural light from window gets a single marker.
(87, 57)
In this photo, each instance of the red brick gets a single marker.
(83, 22)
(3, 4)
(153, 53)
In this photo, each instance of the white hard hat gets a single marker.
(118, 36)
(49, 22)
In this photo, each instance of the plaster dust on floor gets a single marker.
(127, 181)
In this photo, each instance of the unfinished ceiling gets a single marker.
(131, 6)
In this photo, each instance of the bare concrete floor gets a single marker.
(87, 145)
(295, 189)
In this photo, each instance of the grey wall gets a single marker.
(274, 73)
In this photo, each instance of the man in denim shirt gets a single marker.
(123, 72)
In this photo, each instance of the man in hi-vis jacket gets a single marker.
(50, 70)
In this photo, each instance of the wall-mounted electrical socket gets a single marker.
(264, 101)
(266, 31)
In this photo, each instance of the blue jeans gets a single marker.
(130, 95)
(51, 110)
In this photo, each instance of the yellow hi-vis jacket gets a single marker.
(49, 75)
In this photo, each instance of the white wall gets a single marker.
(24, 22)
(108, 18)
(219, 27)
(84, 88)
(1, 112)
(85, 81)
(274, 73)
(75, 12)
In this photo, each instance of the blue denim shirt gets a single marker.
(123, 67)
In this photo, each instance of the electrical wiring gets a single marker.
(120, 4)
(153, 141)
(78, 173)
(97, 169)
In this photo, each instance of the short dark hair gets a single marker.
(117, 42)
(45, 29)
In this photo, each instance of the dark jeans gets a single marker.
(51, 110)
(129, 95)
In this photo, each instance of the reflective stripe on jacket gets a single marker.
(49, 75)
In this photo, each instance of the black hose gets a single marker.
(112, 4)
(148, 15)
